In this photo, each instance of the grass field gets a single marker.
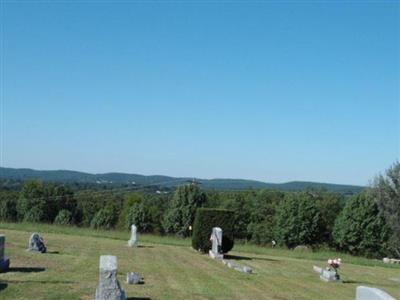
(172, 270)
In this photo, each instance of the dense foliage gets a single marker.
(299, 221)
(361, 228)
(180, 214)
(386, 191)
(206, 219)
(366, 224)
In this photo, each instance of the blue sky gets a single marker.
(263, 90)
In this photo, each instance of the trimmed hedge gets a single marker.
(205, 220)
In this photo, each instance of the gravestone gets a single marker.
(36, 243)
(133, 240)
(329, 276)
(231, 264)
(109, 288)
(4, 261)
(317, 269)
(368, 293)
(133, 278)
(216, 240)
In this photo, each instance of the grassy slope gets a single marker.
(172, 270)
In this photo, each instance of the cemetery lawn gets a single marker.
(172, 270)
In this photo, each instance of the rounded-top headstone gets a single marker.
(133, 240)
(368, 293)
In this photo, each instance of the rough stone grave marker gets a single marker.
(368, 293)
(216, 240)
(133, 242)
(133, 278)
(4, 261)
(109, 287)
(36, 243)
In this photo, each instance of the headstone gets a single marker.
(109, 288)
(133, 278)
(216, 240)
(368, 293)
(231, 264)
(329, 276)
(317, 269)
(36, 243)
(388, 260)
(4, 261)
(133, 240)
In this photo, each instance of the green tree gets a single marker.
(105, 218)
(64, 217)
(386, 191)
(129, 200)
(240, 204)
(262, 227)
(139, 214)
(361, 228)
(298, 220)
(329, 206)
(181, 212)
(32, 201)
(8, 206)
(41, 202)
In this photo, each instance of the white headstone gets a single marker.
(329, 276)
(133, 240)
(216, 240)
(368, 293)
(317, 269)
(4, 261)
(109, 288)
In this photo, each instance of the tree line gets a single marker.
(366, 224)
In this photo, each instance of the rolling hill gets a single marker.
(66, 176)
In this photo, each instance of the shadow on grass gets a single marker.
(266, 259)
(26, 270)
(353, 281)
(237, 257)
(41, 281)
(140, 246)
(53, 252)
(138, 298)
(3, 286)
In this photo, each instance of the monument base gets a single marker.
(215, 255)
(329, 276)
(4, 264)
(132, 244)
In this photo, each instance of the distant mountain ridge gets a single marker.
(66, 176)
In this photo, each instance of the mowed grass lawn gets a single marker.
(172, 270)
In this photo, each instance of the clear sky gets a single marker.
(262, 90)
